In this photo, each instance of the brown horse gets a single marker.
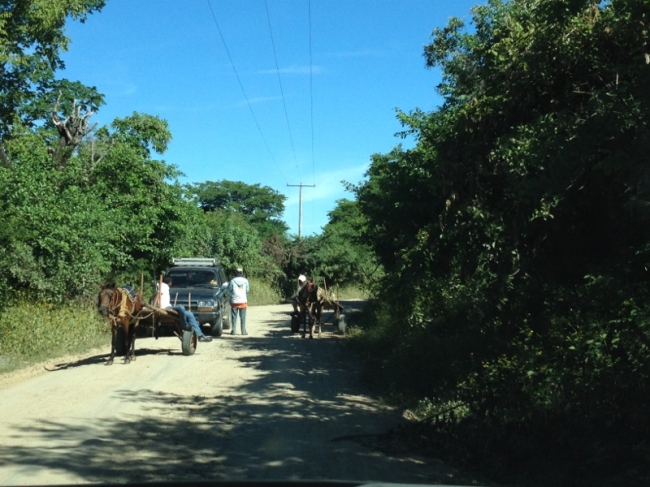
(311, 299)
(122, 311)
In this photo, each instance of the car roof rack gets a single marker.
(194, 262)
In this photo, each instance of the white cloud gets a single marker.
(259, 99)
(358, 53)
(328, 185)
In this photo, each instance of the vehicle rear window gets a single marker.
(192, 277)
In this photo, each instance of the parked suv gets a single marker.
(201, 286)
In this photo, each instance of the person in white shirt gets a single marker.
(187, 318)
(238, 289)
(302, 280)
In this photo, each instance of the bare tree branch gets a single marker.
(71, 131)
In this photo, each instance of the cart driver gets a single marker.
(302, 280)
(187, 318)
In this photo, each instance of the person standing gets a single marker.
(302, 280)
(239, 289)
(187, 318)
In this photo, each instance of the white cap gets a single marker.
(301, 278)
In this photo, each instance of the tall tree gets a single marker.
(32, 36)
(342, 257)
(261, 205)
(151, 215)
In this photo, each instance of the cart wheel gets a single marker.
(217, 329)
(188, 342)
(120, 345)
(341, 324)
(295, 323)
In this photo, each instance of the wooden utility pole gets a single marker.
(300, 204)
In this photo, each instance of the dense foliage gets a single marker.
(515, 234)
(338, 256)
(261, 206)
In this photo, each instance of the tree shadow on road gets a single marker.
(278, 426)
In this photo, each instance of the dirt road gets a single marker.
(264, 406)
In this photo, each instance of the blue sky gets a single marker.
(167, 58)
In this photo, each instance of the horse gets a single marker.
(311, 299)
(122, 309)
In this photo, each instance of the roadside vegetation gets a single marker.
(34, 332)
(513, 311)
(505, 256)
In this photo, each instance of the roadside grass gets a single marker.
(262, 293)
(350, 292)
(374, 337)
(33, 332)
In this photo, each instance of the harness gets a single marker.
(120, 309)
(123, 302)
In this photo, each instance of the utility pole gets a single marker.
(300, 203)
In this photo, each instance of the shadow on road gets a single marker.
(279, 425)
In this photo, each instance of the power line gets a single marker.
(241, 86)
(284, 103)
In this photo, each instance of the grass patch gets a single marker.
(350, 292)
(33, 332)
(262, 293)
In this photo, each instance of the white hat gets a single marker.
(301, 278)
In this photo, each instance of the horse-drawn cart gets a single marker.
(169, 318)
(312, 301)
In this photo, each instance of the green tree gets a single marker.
(78, 208)
(342, 258)
(31, 40)
(236, 243)
(152, 217)
(55, 240)
(261, 205)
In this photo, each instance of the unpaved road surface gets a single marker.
(265, 406)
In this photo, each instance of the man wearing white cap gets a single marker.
(302, 280)
(238, 288)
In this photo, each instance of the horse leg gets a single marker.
(312, 322)
(129, 345)
(113, 344)
(132, 331)
(319, 312)
(127, 339)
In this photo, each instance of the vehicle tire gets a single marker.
(225, 316)
(217, 328)
(188, 342)
(120, 345)
(341, 324)
(295, 323)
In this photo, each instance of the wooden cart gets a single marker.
(331, 304)
(168, 318)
